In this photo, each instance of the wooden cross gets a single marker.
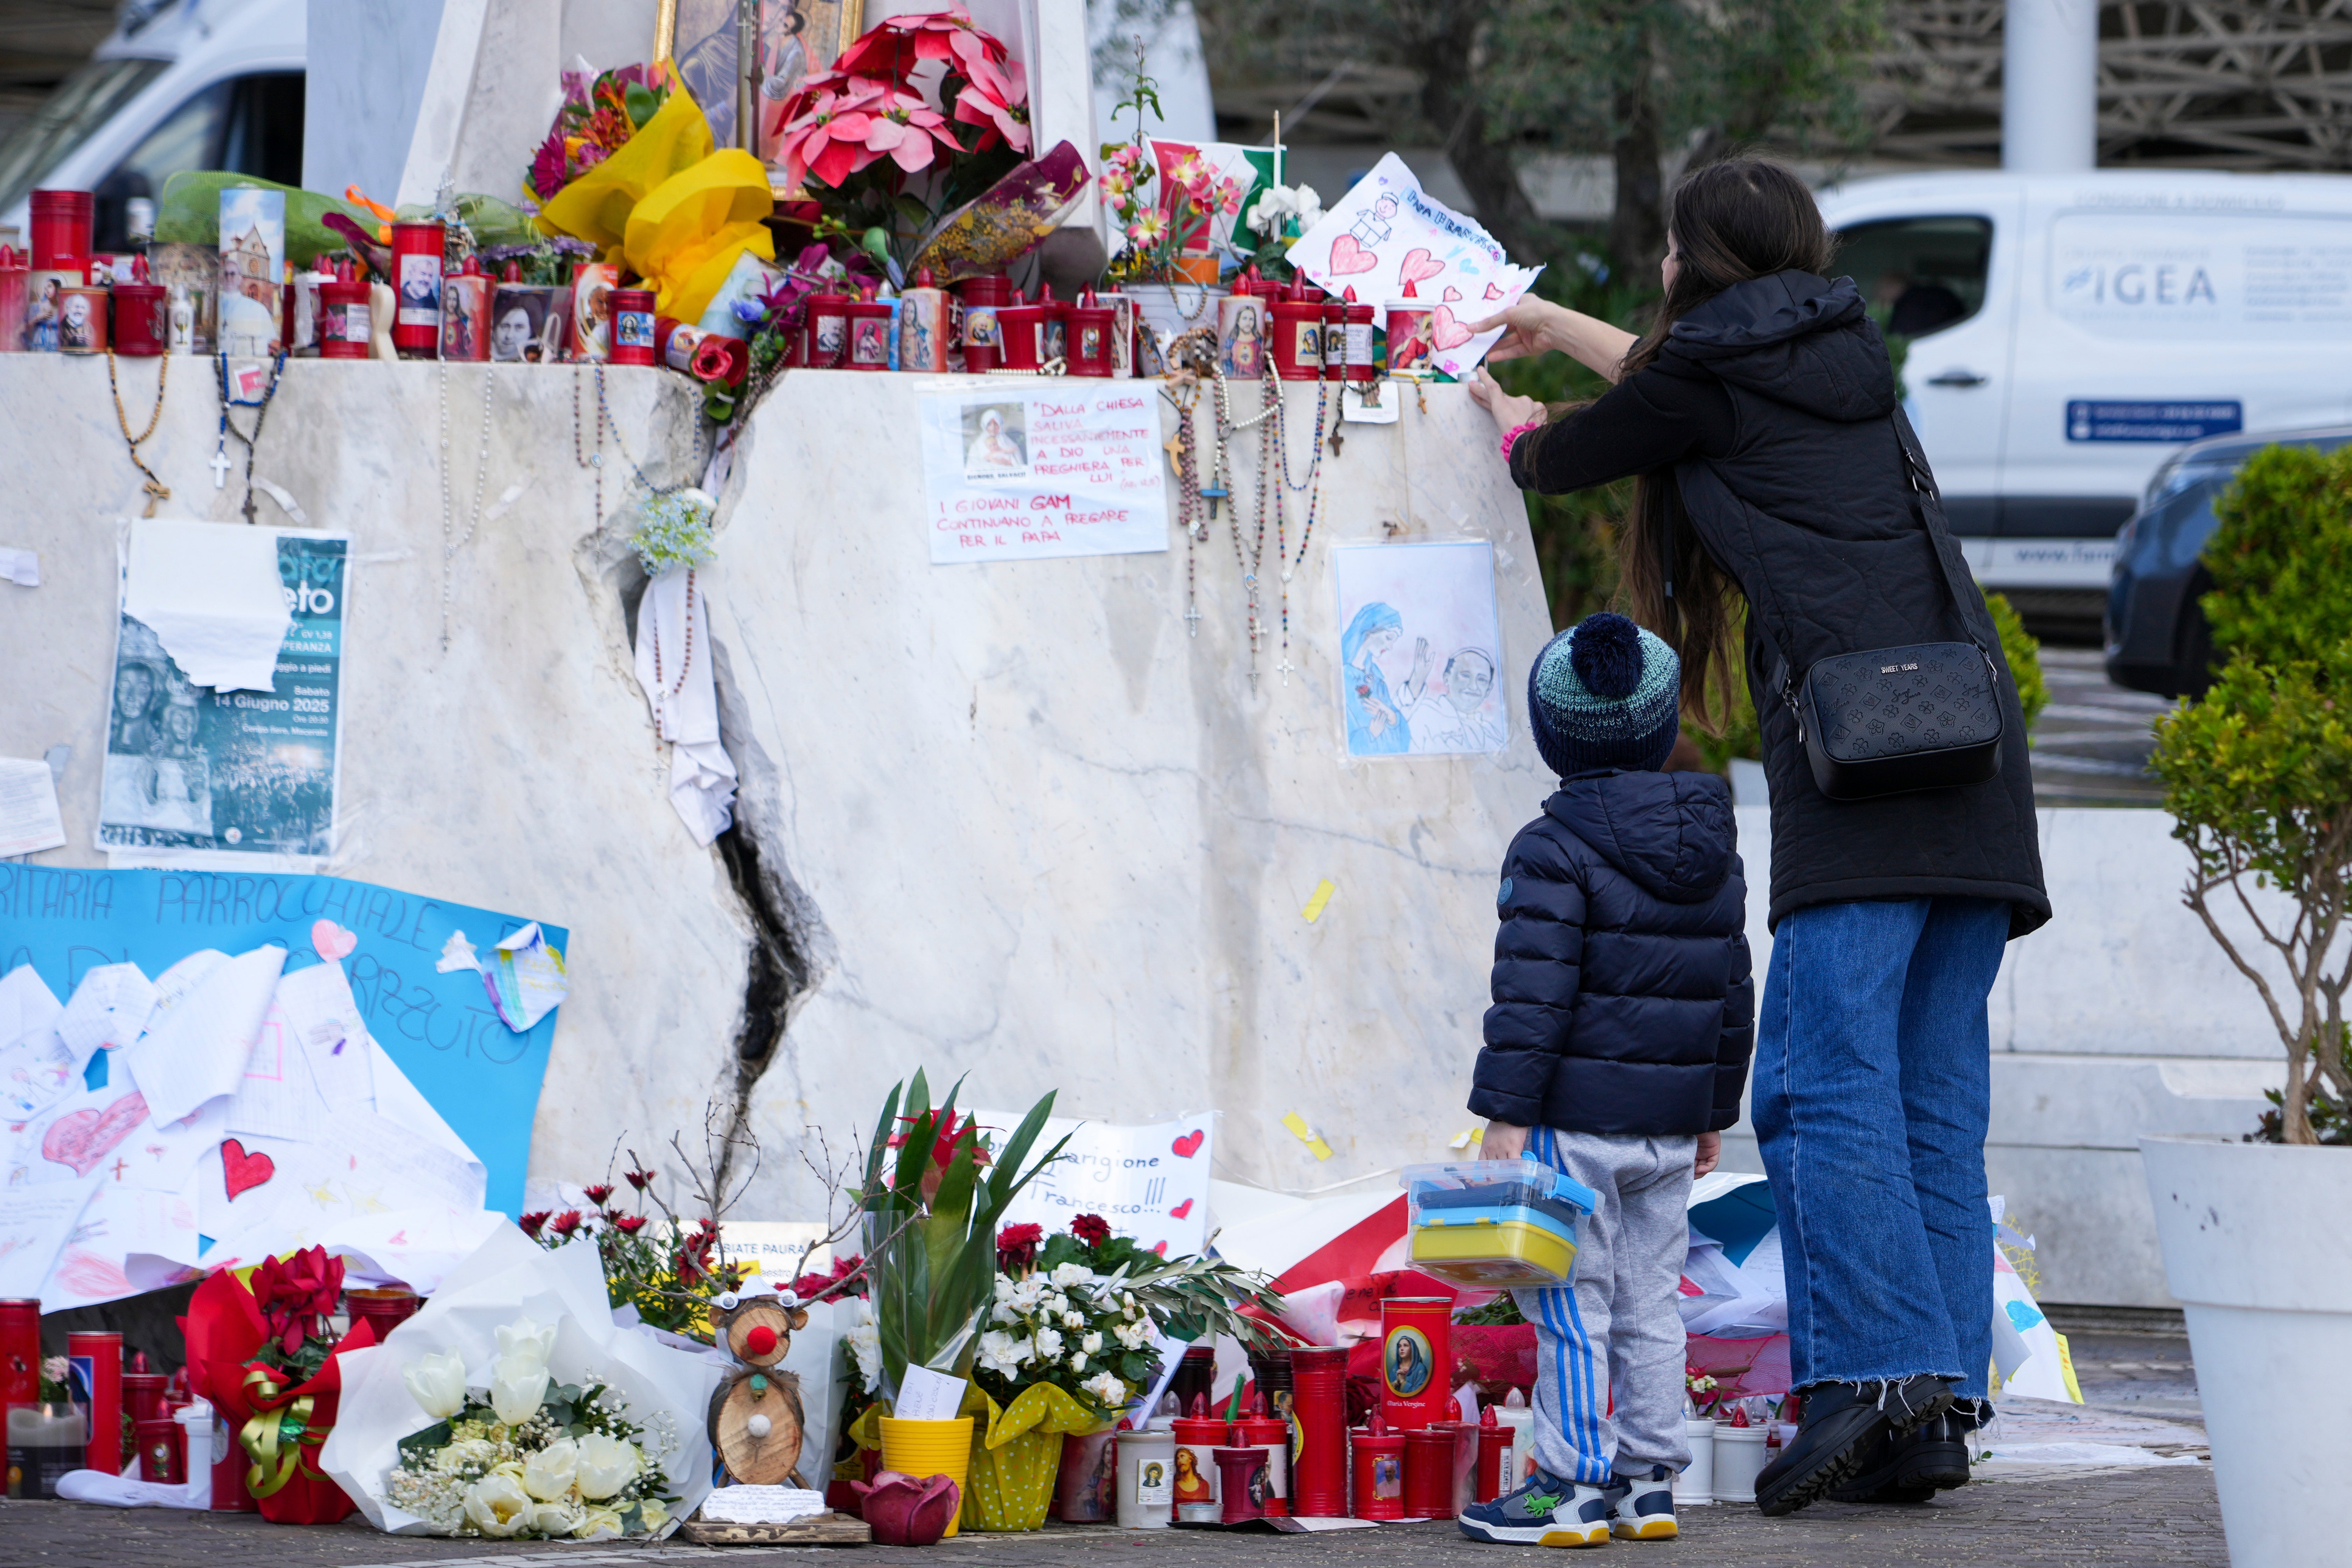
(220, 468)
(1175, 448)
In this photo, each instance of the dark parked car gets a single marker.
(2156, 638)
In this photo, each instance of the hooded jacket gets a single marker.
(1771, 404)
(1624, 1002)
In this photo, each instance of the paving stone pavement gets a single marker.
(2153, 1516)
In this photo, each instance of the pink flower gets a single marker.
(910, 130)
(825, 136)
(894, 49)
(997, 100)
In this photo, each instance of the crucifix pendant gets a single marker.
(1193, 620)
(220, 467)
(1284, 667)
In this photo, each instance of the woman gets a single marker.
(1377, 723)
(1759, 415)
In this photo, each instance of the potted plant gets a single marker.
(2258, 778)
(1072, 1338)
(1161, 220)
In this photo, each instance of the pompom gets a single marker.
(1605, 651)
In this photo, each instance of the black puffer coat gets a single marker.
(1770, 403)
(1623, 998)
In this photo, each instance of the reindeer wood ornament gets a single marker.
(756, 1419)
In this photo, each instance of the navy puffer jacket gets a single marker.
(1623, 998)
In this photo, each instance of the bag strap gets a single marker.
(1927, 505)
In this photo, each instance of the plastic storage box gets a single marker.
(1494, 1224)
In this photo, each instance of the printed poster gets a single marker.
(1420, 649)
(1012, 474)
(190, 770)
(1386, 232)
(1151, 1182)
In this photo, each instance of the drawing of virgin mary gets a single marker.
(1375, 726)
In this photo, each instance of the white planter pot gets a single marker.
(2258, 1254)
(1168, 308)
(1696, 1483)
(1738, 1455)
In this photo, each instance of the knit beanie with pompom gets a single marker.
(1604, 694)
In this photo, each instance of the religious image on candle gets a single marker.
(1070, 469)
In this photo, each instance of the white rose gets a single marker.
(1023, 1350)
(1067, 1274)
(1077, 1361)
(1073, 1321)
(653, 1514)
(604, 1465)
(516, 1395)
(496, 1505)
(1091, 1344)
(560, 1517)
(1107, 1390)
(1004, 1287)
(600, 1524)
(524, 1343)
(547, 1474)
(996, 1352)
(1310, 207)
(438, 1384)
(1056, 1304)
(1049, 1343)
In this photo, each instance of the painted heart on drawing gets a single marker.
(1417, 265)
(1180, 1210)
(1160, 1247)
(85, 1138)
(1189, 1144)
(1349, 257)
(1494, 291)
(332, 941)
(241, 1171)
(1445, 331)
(1451, 293)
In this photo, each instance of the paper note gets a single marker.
(201, 1047)
(457, 953)
(75, 1137)
(26, 1002)
(525, 978)
(37, 1070)
(1323, 892)
(211, 592)
(22, 567)
(1013, 474)
(1386, 232)
(1150, 1181)
(277, 1095)
(28, 807)
(110, 1010)
(125, 1241)
(325, 1019)
(761, 1505)
(927, 1395)
(34, 1224)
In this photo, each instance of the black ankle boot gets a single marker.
(1911, 1468)
(1842, 1430)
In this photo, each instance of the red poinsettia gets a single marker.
(896, 46)
(1016, 1246)
(1091, 1229)
(997, 100)
(297, 1295)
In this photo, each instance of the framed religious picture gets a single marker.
(796, 39)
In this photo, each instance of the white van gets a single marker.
(2068, 334)
(180, 84)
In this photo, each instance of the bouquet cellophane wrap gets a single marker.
(278, 1427)
(670, 209)
(511, 1277)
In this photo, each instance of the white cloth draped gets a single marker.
(685, 701)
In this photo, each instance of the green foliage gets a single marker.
(930, 1223)
(1502, 1312)
(2257, 775)
(2022, 653)
(2281, 558)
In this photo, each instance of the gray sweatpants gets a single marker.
(1611, 1337)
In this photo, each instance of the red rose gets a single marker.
(1091, 1229)
(1016, 1246)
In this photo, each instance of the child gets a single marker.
(1615, 1052)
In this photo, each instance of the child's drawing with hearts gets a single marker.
(1418, 265)
(330, 941)
(1180, 1210)
(1188, 1145)
(1451, 293)
(85, 1138)
(1448, 332)
(1348, 256)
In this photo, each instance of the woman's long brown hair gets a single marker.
(1730, 221)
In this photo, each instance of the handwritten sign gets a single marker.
(439, 1029)
(1150, 1181)
(1017, 474)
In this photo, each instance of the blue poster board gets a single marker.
(439, 1029)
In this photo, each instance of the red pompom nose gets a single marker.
(761, 1340)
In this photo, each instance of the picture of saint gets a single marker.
(41, 319)
(74, 330)
(996, 441)
(1409, 350)
(1388, 1477)
(1408, 1362)
(869, 342)
(1052, 340)
(915, 341)
(981, 328)
(1191, 1486)
(420, 289)
(1379, 724)
(1243, 349)
(1151, 1482)
(1310, 343)
(1091, 342)
(1463, 718)
(829, 332)
(591, 335)
(464, 303)
(515, 331)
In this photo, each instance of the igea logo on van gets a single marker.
(2152, 283)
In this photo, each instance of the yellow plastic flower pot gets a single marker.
(1013, 1486)
(926, 1448)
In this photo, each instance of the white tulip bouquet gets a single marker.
(527, 1457)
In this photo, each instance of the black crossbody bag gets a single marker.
(1890, 721)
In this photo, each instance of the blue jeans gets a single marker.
(1872, 1079)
